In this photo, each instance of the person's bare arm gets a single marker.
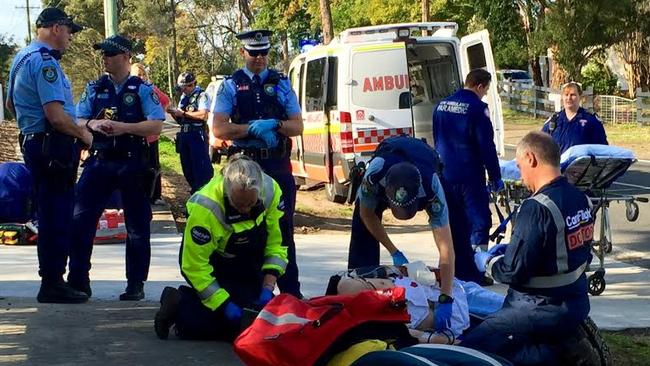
(63, 123)
(225, 130)
(143, 128)
(292, 126)
(445, 244)
(376, 228)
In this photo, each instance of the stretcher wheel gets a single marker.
(631, 211)
(596, 284)
(608, 246)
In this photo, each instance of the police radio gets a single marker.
(552, 122)
(110, 113)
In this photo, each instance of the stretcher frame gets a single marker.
(592, 175)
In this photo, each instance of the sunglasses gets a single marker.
(255, 53)
(111, 53)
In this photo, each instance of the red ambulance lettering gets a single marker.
(385, 83)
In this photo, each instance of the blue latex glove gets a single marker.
(265, 296)
(259, 127)
(399, 259)
(481, 259)
(498, 249)
(497, 186)
(443, 316)
(232, 312)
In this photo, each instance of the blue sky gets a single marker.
(13, 22)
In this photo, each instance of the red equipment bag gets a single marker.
(294, 332)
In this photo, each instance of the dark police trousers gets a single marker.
(241, 276)
(529, 329)
(100, 178)
(53, 187)
(192, 147)
(364, 248)
(469, 221)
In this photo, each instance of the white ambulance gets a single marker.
(373, 82)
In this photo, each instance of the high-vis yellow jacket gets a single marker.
(207, 232)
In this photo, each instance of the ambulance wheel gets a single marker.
(631, 211)
(596, 284)
(336, 192)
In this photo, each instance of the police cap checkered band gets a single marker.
(185, 78)
(403, 183)
(114, 44)
(256, 39)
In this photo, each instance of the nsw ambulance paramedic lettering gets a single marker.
(451, 106)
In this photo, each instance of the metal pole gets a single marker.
(29, 22)
(110, 18)
(169, 74)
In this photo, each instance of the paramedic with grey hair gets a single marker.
(231, 255)
(544, 265)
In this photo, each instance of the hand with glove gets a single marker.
(496, 186)
(265, 130)
(481, 260)
(498, 249)
(265, 296)
(399, 259)
(232, 312)
(443, 311)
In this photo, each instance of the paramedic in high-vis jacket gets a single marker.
(573, 125)
(464, 137)
(544, 264)
(231, 255)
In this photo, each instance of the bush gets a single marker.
(600, 77)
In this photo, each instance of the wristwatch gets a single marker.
(445, 299)
(87, 125)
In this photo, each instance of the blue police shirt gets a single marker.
(583, 128)
(151, 107)
(464, 138)
(370, 193)
(226, 95)
(533, 247)
(204, 99)
(40, 80)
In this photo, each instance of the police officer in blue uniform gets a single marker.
(463, 135)
(573, 125)
(258, 110)
(544, 264)
(41, 97)
(403, 175)
(192, 140)
(121, 110)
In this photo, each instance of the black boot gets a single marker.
(166, 316)
(81, 286)
(134, 292)
(59, 292)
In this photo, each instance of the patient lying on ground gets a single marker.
(422, 291)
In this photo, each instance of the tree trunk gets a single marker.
(245, 9)
(326, 21)
(425, 15)
(537, 71)
(174, 63)
(285, 51)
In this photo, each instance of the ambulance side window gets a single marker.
(332, 83)
(476, 57)
(314, 90)
(301, 78)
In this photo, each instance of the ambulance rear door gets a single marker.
(379, 95)
(476, 52)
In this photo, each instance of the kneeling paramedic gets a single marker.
(544, 263)
(231, 256)
(402, 175)
(121, 111)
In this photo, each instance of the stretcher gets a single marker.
(592, 169)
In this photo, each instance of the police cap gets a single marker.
(256, 39)
(115, 44)
(53, 16)
(403, 183)
(185, 79)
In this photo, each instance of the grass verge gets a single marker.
(630, 347)
(169, 159)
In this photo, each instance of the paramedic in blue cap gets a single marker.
(120, 110)
(573, 125)
(464, 137)
(402, 176)
(258, 110)
(192, 140)
(544, 264)
(40, 95)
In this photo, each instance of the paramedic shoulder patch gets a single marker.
(200, 235)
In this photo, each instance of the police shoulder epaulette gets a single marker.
(45, 53)
(147, 83)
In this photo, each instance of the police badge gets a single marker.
(401, 195)
(50, 74)
(269, 89)
(128, 99)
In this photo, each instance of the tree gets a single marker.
(634, 49)
(8, 49)
(502, 19)
(326, 21)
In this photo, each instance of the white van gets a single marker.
(373, 82)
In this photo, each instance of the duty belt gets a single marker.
(109, 154)
(259, 153)
(187, 127)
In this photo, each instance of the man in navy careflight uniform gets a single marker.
(258, 110)
(40, 95)
(464, 137)
(544, 264)
(121, 110)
